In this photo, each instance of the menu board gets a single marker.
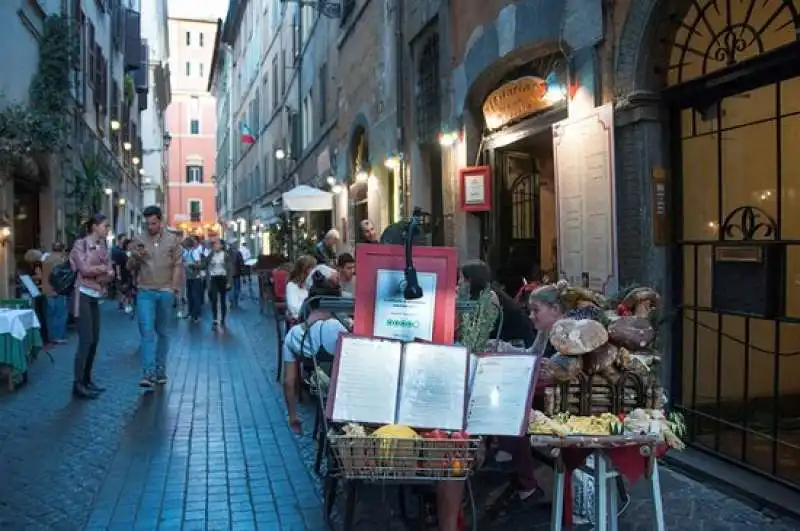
(586, 206)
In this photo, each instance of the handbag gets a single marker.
(62, 278)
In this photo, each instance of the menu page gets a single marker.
(433, 389)
(499, 399)
(367, 381)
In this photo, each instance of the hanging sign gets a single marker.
(516, 99)
(475, 185)
(586, 207)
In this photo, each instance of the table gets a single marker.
(20, 339)
(613, 456)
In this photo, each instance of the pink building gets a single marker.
(191, 119)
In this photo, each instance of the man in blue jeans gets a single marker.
(157, 259)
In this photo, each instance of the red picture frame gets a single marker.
(472, 197)
(442, 261)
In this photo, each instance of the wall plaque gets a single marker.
(476, 188)
(586, 207)
(514, 100)
(660, 206)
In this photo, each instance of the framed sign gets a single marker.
(382, 311)
(475, 184)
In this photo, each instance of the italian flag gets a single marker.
(246, 134)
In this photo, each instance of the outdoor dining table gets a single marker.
(20, 338)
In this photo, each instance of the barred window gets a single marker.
(429, 106)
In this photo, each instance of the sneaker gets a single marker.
(161, 379)
(146, 382)
(214, 325)
(128, 308)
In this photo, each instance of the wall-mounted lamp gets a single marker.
(280, 153)
(331, 180)
(121, 201)
(393, 161)
(5, 231)
(109, 191)
(126, 146)
(362, 176)
(135, 161)
(115, 125)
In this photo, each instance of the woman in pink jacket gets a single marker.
(91, 261)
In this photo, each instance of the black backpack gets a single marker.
(62, 278)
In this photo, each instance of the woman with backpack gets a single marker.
(91, 259)
(57, 300)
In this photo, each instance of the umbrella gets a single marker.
(307, 199)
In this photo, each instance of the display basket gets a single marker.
(646, 442)
(387, 459)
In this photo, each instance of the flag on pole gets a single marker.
(247, 135)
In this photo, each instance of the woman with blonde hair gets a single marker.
(296, 290)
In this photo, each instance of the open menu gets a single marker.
(383, 381)
(501, 393)
(430, 386)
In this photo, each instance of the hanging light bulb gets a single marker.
(362, 176)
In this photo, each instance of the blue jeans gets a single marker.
(56, 316)
(236, 291)
(154, 309)
(194, 296)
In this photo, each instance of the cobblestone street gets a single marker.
(212, 449)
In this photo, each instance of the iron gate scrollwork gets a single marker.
(748, 265)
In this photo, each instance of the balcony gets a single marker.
(196, 217)
(141, 77)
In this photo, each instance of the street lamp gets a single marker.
(121, 201)
(108, 191)
(127, 146)
(280, 153)
(135, 161)
(115, 125)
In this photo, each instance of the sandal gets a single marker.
(296, 426)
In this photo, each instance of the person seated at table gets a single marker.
(327, 272)
(346, 265)
(316, 336)
(296, 290)
(476, 277)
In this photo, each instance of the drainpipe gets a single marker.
(231, 138)
(405, 189)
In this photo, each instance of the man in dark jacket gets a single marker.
(237, 266)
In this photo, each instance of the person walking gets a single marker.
(219, 265)
(157, 260)
(237, 265)
(193, 265)
(91, 259)
(56, 311)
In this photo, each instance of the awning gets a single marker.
(307, 199)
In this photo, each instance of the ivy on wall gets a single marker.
(42, 125)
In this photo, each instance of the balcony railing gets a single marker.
(196, 216)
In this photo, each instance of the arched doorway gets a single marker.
(359, 172)
(732, 86)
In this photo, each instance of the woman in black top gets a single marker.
(515, 324)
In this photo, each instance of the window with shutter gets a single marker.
(322, 93)
(91, 49)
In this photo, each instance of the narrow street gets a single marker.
(212, 450)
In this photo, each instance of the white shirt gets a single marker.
(216, 267)
(295, 297)
(322, 334)
(245, 252)
(348, 288)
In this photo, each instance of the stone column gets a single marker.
(642, 143)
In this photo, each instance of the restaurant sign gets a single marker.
(516, 99)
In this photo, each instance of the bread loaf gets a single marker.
(633, 333)
(597, 360)
(574, 337)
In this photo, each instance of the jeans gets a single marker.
(236, 291)
(217, 289)
(88, 337)
(154, 309)
(194, 296)
(57, 317)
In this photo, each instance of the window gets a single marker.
(188, 68)
(200, 67)
(259, 183)
(194, 127)
(283, 72)
(264, 99)
(194, 174)
(428, 100)
(200, 38)
(257, 112)
(347, 7)
(323, 93)
(188, 38)
(274, 81)
(195, 210)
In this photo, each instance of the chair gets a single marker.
(278, 280)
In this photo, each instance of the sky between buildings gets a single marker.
(211, 9)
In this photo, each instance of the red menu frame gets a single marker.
(442, 261)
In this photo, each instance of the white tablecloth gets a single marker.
(18, 322)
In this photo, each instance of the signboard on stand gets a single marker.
(382, 311)
(586, 205)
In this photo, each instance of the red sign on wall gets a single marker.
(475, 184)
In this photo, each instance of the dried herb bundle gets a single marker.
(476, 326)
